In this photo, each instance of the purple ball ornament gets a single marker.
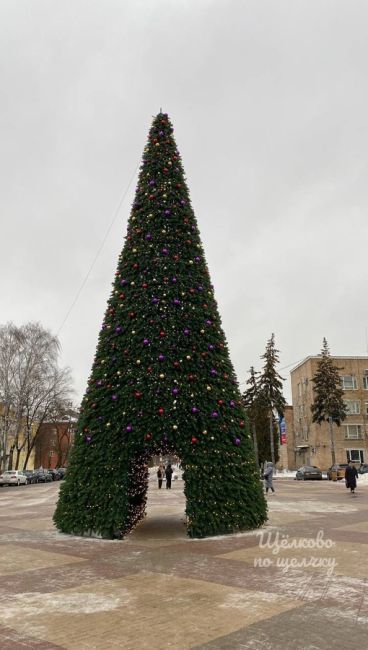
(129, 428)
(213, 372)
(208, 322)
(88, 439)
(186, 331)
(176, 301)
(197, 259)
(161, 357)
(175, 391)
(199, 288)
(148, 236)
(118, 329)
(114, 397)
(152, 183)
(211, 347)
(237, 442)
(164, 251)
(174, 280)
(195, 410)
(155, 301)
(232, 404)
(123, 282)
(214, 414)
(167, 212)
(146, 341)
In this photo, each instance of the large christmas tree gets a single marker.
(162, 380)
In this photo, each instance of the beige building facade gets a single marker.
(312, 442)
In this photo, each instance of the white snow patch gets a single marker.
(247, 601)
(308, 506)
(35, 603)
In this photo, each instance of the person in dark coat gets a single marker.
(351, 476)
(160, 476)
(168, 472)
(268, 475)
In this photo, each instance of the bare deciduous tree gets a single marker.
(31, 385)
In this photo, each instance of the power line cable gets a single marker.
(115, 216)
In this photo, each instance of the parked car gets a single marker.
(56, 476)
(308, 472)
(363, 469)
(337, 472)
(13, 477)
(43, 476)
(62, 472)
(30, 476)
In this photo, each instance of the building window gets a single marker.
(301, 411)
(366, 408)
(349, 382)
(365, 380)
(353, 407)
(299, 390)
(353, 431)
(356, 455)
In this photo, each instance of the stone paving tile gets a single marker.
(305, 628)
(10, 639)
(159, 589)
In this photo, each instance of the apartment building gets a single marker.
(312, 442)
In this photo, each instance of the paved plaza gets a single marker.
(158, 589)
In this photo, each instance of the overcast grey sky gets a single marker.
(269, 105)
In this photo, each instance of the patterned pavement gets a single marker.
(298, 584)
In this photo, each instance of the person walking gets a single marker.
(268, 476)
(351, 476)
(160, 476)
(168, 472)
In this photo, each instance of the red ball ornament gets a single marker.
(242, 424)
(122, 296)
(161, 411)
(194, 440)
(220, 402)
(162, 334)
(176, 364)
(137, 394)
(148, 436)
(144, 285)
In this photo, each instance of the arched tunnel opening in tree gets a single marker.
(162, 379)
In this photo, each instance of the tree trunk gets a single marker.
(333, 455)
(255, 443)
(29, 451)
(17, 459)
(11, 453)
(272, 441)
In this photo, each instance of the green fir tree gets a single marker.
(162, 380)
(328, 404)
(270, 386)
(257, 412)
